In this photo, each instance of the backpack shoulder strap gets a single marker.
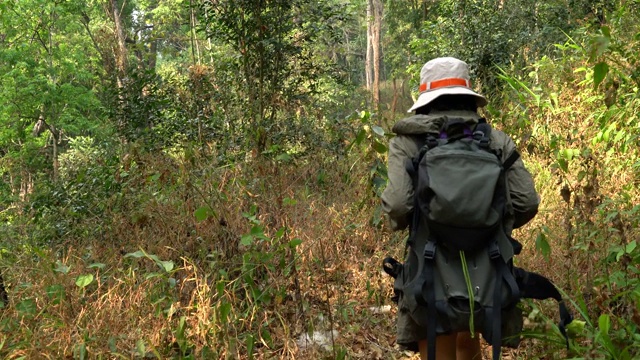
(429, 141)
(515, 155)
(482, 134)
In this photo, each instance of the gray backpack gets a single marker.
(459, 273)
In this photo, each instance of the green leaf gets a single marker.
(152, 275)
(225, 310)
(55, 293)
(543, 245)
(600, 71)
(631, 246)
(26, 307)
(165, 265)
(284, 157)
(364, 116)
(246, 240)
(203, 213)
(257, 230)
(279, 233)
(604, 326)
(294, 243)
(141, 348)
(360, 137)
(619, 136)
(575, 328)
(266, 336)
(379, 147)
(97, 266)
(250, 343)
(378, 130)
(84, 280)
(61, 268)
(604, 323)
(138, 254)
(288, 201)
(564, 164)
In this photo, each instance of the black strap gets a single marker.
(515, 155)
(496, 334)
(502, 274)
(565, 320)
(428, 295)
(391, 266)
(536, 286)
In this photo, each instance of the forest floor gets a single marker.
(248, 263)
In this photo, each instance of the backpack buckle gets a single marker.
(478, 135)
(431, 142)
(430, 250)
(494, 251)
(482, 139)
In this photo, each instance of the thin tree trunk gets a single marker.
(121, 54)
(369, 55)
(195, 49)
(377, 50)
(53, 80)
(396, 95)
(461, 20)
(54, 137)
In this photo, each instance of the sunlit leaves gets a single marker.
(83, 281)
(565, 156)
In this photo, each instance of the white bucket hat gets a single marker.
(445, 76)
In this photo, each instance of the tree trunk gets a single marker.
(369, 54)
(377, 51)
(121, 53)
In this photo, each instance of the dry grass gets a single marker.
(130, 310)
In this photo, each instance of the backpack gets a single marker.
(459, 274)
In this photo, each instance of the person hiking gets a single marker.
(446, 93)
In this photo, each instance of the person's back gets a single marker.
(446, 94)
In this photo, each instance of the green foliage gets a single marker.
(86, 187)
(370, 144)
(491, 33)
(275, 73)
(581, 108)
(139, 106)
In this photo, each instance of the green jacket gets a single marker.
(397, 198)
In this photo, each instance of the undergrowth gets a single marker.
(191, 260)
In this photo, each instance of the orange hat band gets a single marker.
(432, 85)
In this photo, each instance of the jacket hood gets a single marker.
(422, 124)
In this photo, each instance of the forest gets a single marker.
(201, 179)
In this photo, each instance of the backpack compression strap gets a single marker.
(502, 273)
(428, 297)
